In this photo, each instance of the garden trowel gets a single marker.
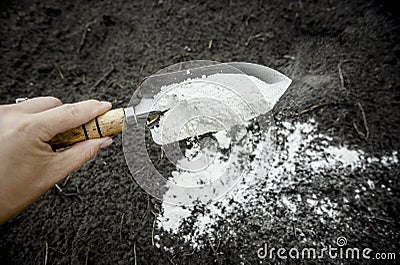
(167, 122)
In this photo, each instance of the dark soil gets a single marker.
(63, 48)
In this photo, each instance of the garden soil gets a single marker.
(343, 57)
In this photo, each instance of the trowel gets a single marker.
(167, 122)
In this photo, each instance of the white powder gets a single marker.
(343, 155)
(312, 202)
(371, 184)
(212, 103)
(290, 205)
(300, 152)
(223, 139)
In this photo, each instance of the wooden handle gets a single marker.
(109, 123)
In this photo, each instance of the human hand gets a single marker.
(28, 165)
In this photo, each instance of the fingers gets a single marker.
(36, 105)
(77, 155)
(68, 116)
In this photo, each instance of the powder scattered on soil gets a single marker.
(302, 149)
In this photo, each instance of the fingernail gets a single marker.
(106, 143)
(106, 103)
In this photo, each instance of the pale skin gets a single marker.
(28, 165)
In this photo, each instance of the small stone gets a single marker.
(396, 50)
(389, 59)
(44, 68)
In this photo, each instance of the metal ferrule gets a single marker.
(130, 116)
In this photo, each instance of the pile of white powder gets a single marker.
(303, 148)
(212, 103)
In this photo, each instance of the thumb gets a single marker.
(79, 154)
